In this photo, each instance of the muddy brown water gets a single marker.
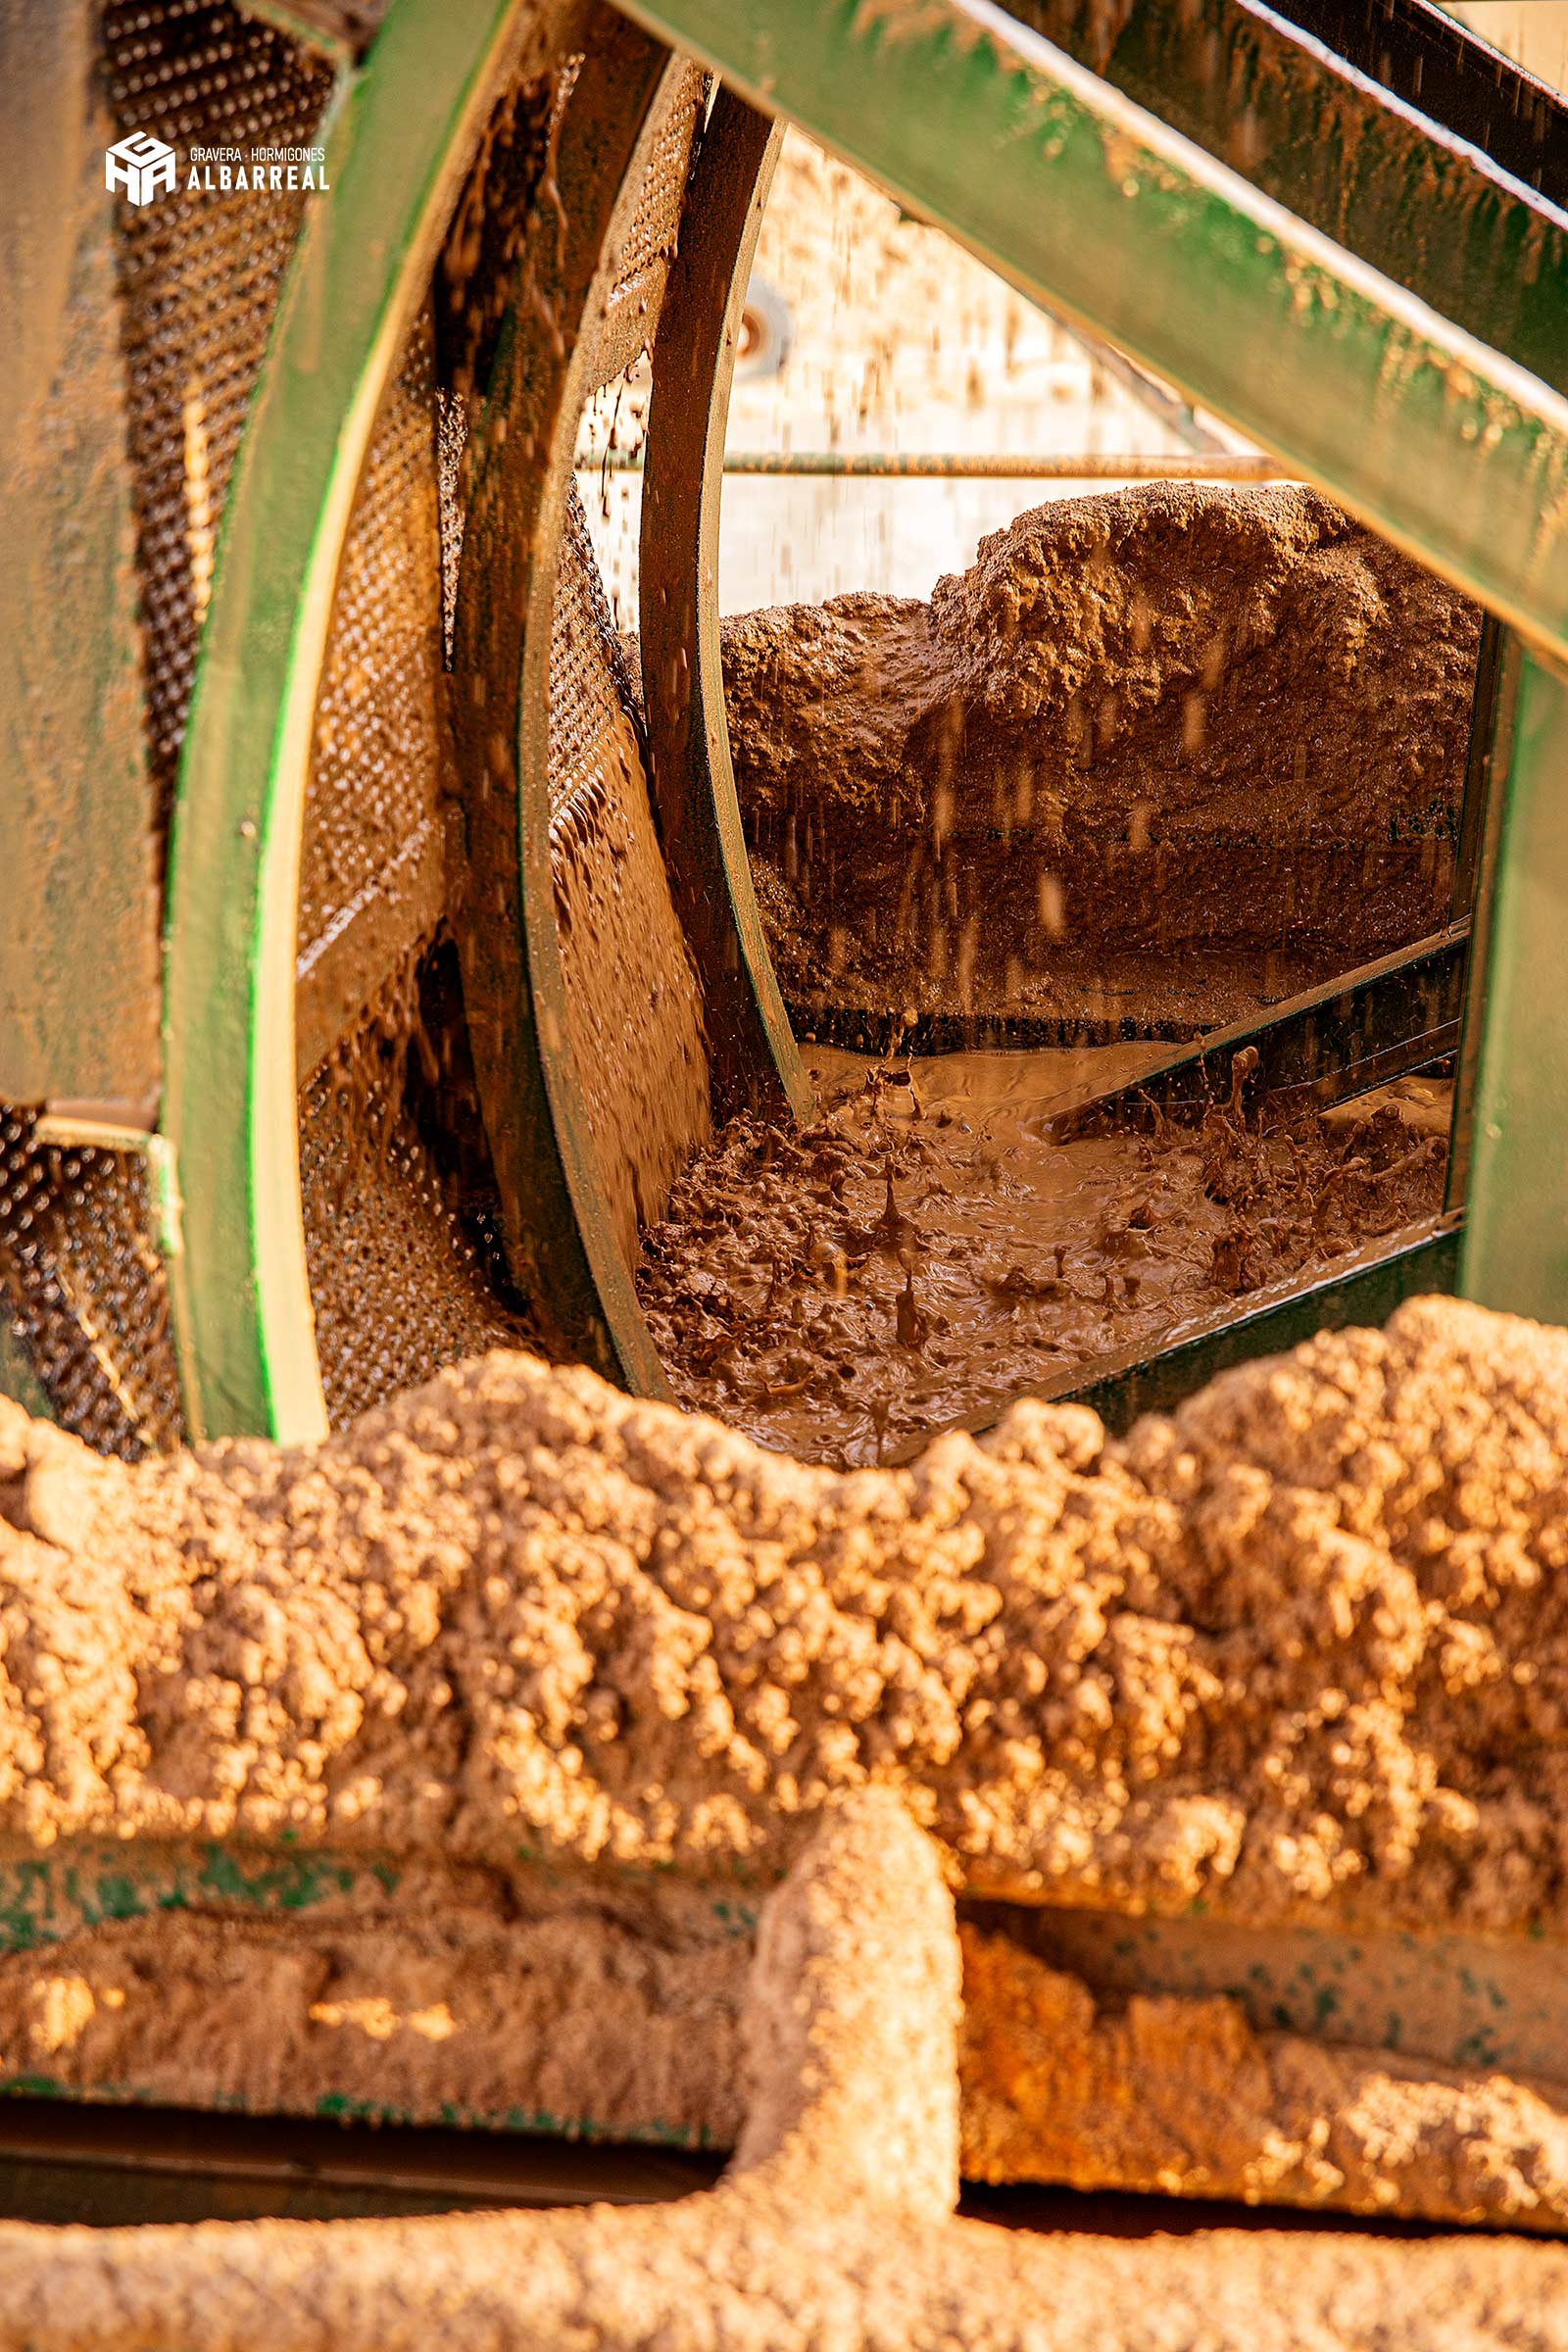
(927, 1249)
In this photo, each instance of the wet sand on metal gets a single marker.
(927, 1249)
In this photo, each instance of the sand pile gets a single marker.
(1294, 1648)
(1205, 722)
(1291, 1654)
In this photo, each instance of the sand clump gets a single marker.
(1186, 2097)
(1294, 1649)
(1171, 719)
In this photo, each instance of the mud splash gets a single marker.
(928, 1251)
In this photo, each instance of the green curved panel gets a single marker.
(399, 138)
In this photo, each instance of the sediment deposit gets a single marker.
(1294, 1649)
(1220, 727)
(928, 1249)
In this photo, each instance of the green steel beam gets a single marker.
(399, 138)
(1089, 204)
(1515, 1248)
(1358, 1030)
(1365, 167)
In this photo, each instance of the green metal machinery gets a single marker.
(315, 722)
(295, 748)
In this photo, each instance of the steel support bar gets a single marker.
(1356, 1031)
(1477, 766)
(399, 139)
(1486, 787)
(1516, 1251)
(1377, 171)
(893, 465)
(1089, 204)
(1363, 1290)
(1421, 53)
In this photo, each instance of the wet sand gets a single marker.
(1159, 745)
(927, 1249)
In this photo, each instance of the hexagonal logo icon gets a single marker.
(144, 166)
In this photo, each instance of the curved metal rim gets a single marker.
(627, 1344)
(244, 1327)
(559, 1233)
(756, 1063)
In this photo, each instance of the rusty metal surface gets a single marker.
(753, 1055)
(79, 946)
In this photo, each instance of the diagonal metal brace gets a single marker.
(1091, 205)
(1358, 1030)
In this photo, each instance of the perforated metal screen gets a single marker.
(402, 1220)
(198, 277)
(401, 1217)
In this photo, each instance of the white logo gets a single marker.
(141, 164)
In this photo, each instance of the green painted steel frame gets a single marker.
(1090, 206)
(1514, 1252)
(406, 123)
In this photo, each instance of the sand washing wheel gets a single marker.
(420, 863)
(376, 950)
(458, 953)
